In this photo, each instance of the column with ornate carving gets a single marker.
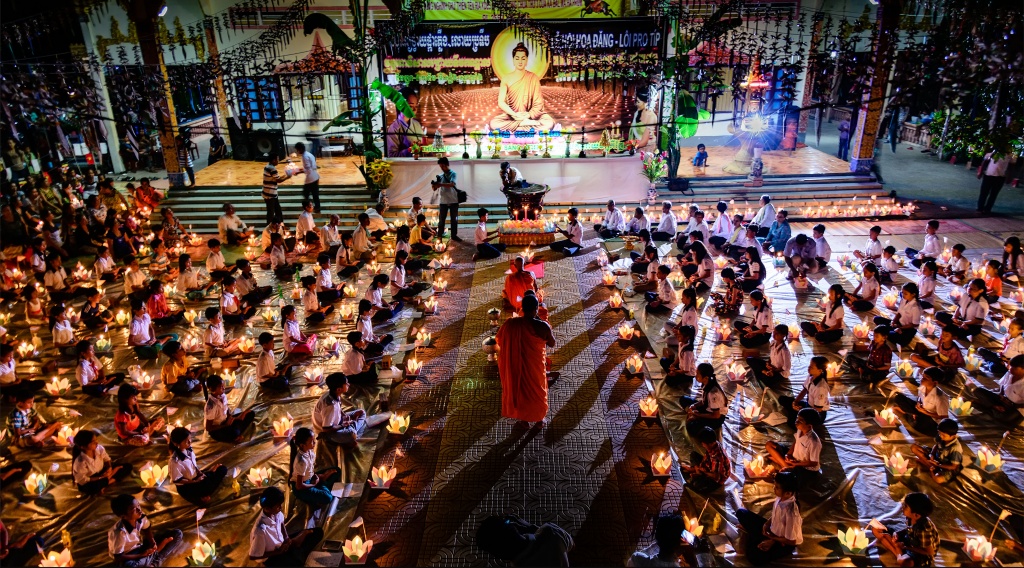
(862, 140)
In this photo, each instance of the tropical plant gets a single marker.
(654, 166)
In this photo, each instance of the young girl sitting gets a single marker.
(133, 427)
(926, 285)
(220, 421)
(315, 312)
(780, 360)
(235, 310)
(959, 265)
(310, 486)
(374, 345)
(681, 368)
(156, 306)
(776, 538)
(296, 344)
(993, 281)
(866, 293)
(61, 330)
(213, 338)
(709, 409)
(193, 484)
(34, 304)
(188, 279)
(753, 270)
(355, 365)
(728, 303)
(816, 391)
(176, 376)
(91, 466)
(804, 454)
(758, 330)
(401, 289)
(375, 294)
(347, 260)
(903, 327)
(90, 373)
(830, 328)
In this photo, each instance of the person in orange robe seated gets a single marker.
(516, 285)
(524, 382)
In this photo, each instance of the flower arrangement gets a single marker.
(379, 172)
(525, 226)
(654, 166)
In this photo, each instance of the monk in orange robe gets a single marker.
(524, 381)
(517, 283)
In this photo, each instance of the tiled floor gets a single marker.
(803, 160)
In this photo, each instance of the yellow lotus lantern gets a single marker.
(751, 413)
(58, 386)
(297, 293)
(246, 345)
(886, 418)
(987, 460)
(102, 344)
(230, 378)
(356, 551)
(152, 475)
(53, 558)
(35, 483)
(269, 315)
(724, 331)
(756, 468)
(927, 327)
(381, 477)
(890, 300)
(251, 254)
(122, 317)
(832, 370)
(736, 372)
(259, 476)
(861, 331)
(853, 540)
(904, 369)
(170, 290)
(191, 342)
(282, 427)
(65, 436)
(430, 305)
(203, 554)
(608, 278)
(26, 349)
(626, 331)
(794, 332)
(693, 525)
(253, 240)
(440, 285)
(960, 407)
(412, 367)
(398, 423)
(345, 311)
(661, 464)
(979, 548)
(422, 338)
(634, 364)
(615, 302)
(648, 407)
(190, 316)
(721, 262)
(373, 267)
(898, 465)
(314, 374)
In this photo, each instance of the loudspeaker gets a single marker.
(267, 142)
(241, 146)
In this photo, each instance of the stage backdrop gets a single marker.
(488, 77)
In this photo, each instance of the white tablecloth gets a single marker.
(593, 180)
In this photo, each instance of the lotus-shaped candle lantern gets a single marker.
(779, 261)
(381, 477)
(956, 293)
(615, 301)
(191, 342)
(861, 331)
(282, 427)
(252, 241)
(80, 273)
(602, 258)
(58, 386)
(103, 344)
(122, 317)
(973, 362)
(978, 272)
(649, 407)
(946, 255)
(35, 483)
(440, 285)
(927, 327)
(300, 248)
(246, 345)
(832, 370)
(987, 460)
(608, 278)
(527, 255)
(5, 318)
(422, 338)
(399, 423)
(439, 246)
(65, 436)
(889, 300)
(190, 316)
(693, 525)
(356, 550)
(1018, 295)
(230, 378)
(905, 370)
(723, 331)
(259, 476)
(314, 374)
(661, 464)
(331, 343)
(412, 367)
(886, 418)
(194, 239)
(751, 413)
(26, 349)
(634, 364)
(853, 540)
(144, 381)
(178, 249)
(270, 315)
(794, 332)
(898, 465)
(721, 262)
(152, 475)
(678, 280)
(979, 549)
(445, 261)
(626, 330)
(170, 290)
(430, 305)
(251, 254)
(61, 559)
(203, 554)
(736, 372)
(845, 261)
(822, 304)
(296, 293)
(373, 267)
(960, 407)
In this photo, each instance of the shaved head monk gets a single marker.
(521, 364)
(517, 283)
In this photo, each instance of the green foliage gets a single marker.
(395, 97)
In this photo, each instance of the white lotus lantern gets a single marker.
(191, 343)
(356, 551)
(373, 267)
(122, 317)
(445, 261)
(412, 367)
(751, 413)
(36, 483)
(905, 370)
(230, 378)
(345, 311)
(103, 344)
(960, 407)
(62, 559)
(282, 427)
(794, 332)
(833, 369)
(313, 374)
(987, 460)
(890, 300)
(661, 464)
(979, 548)
(886, 418)
(25, 350)
(203, 554)
(634, 364)
(259, 476)
(398, 423)
(439, 246)
(65, 437)
(736, 372)
(440, 285)
(300, 248)
(648, 407)
(152, 475)
(861, 331)
(853, 540)
(381, 477)
(348, 290)
(422, 338)
(898, 465)
(430, 305)
(58, 386)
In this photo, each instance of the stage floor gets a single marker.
(803, 160)
(341, 170)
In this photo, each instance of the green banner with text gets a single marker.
(538, 9)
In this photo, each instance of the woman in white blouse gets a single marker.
(91, 466)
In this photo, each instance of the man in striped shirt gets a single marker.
(270, 181)
(185, 159)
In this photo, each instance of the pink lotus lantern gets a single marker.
(440, 285)
(956, 293)
(381, 477)
(626, 331)
(736, 372)
(890, 300)
(607, 278)
(751, 413)
(979, 549)
(412, 367)
(1018, 295)
(861, 331)
(430, 305)
(724, 331)
(898, 465)
(886, 418)
(615, 301)
(927, 327)
(757, 468)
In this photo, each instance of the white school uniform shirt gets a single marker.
(122, 537)
(575, 231)
(215, 261)
(667, 293)
(86, 372)
(931, 247)
(324, 280)
(139, 333)
(869, 288)
(715, 399)
(7, 374)
(244, 285)
(786, 520)
(873, 249)
(706, 271)
(397, 279)
(329, 235)
(267, 535)
(266, 365)
(229, 303)
(834, 317)
(636, 225)
(807, 447)
(214, 335)
(1012, 390)
(365, 326)
(305, 224)
(764, 216)
(344, 256)
(764, 318)
(375, 296)
(326, 413)
(63, 333)
(780, 357)
(687, 361)
(480, 235)
(973, 309)
(353, 362)
(360, 240)
(689, 316)
(229, 222)
(292, 335)
(934, 401)
(216, 411)
(277, 257)
(309, 166)
(925, 286)
(55, 279)
(411, 214)
(133, 280)
(377, 223)
(303, 467)
(38, 263)
(179, 469)
(961, 264)
(613, 220)
(890, 265)
(652, 270)
(723, 226)
(188, 279)
(824, 250)
(669, 224)
(310, 301)
(818, 394)
(84, 467)
(910, 313)
(103, 265)
(704, 230)
(1013, 347)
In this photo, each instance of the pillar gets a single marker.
(862, 142)
(144, 14)
(807, 84)
(221, 113)
(100, 79)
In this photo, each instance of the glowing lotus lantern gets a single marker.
(297, 293)
(1018, 295)
(724, 331)
(861, 330)
(58, 386)
(122, 317)
(987, 460)
(65, 436)
(251, 254)
(960, 407)
(356, 550)
(979, 549)
(832, 370)
(422, 338)
(191, 342)
(889, 300)
(203, 554)
(602, 258)
(693, 525)
(300, 248)
(527, 256)
(886, 418)
(152, 475)
(794, 332)
(144, 381)
(904, 369)
(331, 343)
(80, 273)
(246, 345)
(661, 464)
(5, 318)
(634, 364)
(253, 240)
(898, 465)
(381, 477)
(721, 262)
(927, 327)
(626, 330)
(430, 305)
(956, 293)
(978, 272)
(608, 278)
(282, 427)
(440, 285)
(102, 344)
(373, 267)
(398, 423)
(62, 559)
(853, 540)
(190, 316)
(35, 483)
(412, 367)
(946, 255)
(779, 261)
(648, 407)
(445, 261)
(313, 374)
(230, 378)
(751, 413)
(26, 349)
(678, 280)
(615, 302)
(845, 261)
(736, 372)
(259, 476)
(178, 249)
(972, 362)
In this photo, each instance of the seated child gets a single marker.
(296, 344)
(993, 281)
(958, 267)
(309, 486)
(816, 391)
(215, 265)
(91, 466)
(709, 471)
(374, 345)
(803, 457)
(1007, 401)
(315, 312)
(94, 315)
(268, 373)
(175, 373)
(195, 485)
(728, 302)
(917, 544)
(131, 542)
(683, 367)
(780, 360)
(90, 372)
(903, 326)
(866, 293)
(25, 425)
(664, 298)
(221, 423)
(213, 338)
(246, 285)
(889, 267)
(931, 406)
(269, 539)
(382, 311)
(710, 407)
(875, 367)
(830, 328)
(355, 365)
(948, 358)
(133, 427)
(156, 305)
(1013, 345)
(758, 331)
(873, 249)
(776, 538)
(330, 421)
(235, 310)
(188, 279)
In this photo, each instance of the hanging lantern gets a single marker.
(381, 477)
(153, 475)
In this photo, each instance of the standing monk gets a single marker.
(524, 384)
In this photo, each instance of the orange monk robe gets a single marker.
(516, 285)
(524, 384)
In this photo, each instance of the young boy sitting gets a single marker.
(915, 545)
(709, 471)
(130, 542)
(664, 298)
(944, 460)
(24, 423)
(268, 373)
(777, 537)
(803, 456)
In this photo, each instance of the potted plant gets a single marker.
(654, 167)
(523, 150)
(478, 138)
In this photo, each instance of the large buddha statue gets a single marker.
(520, 99)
